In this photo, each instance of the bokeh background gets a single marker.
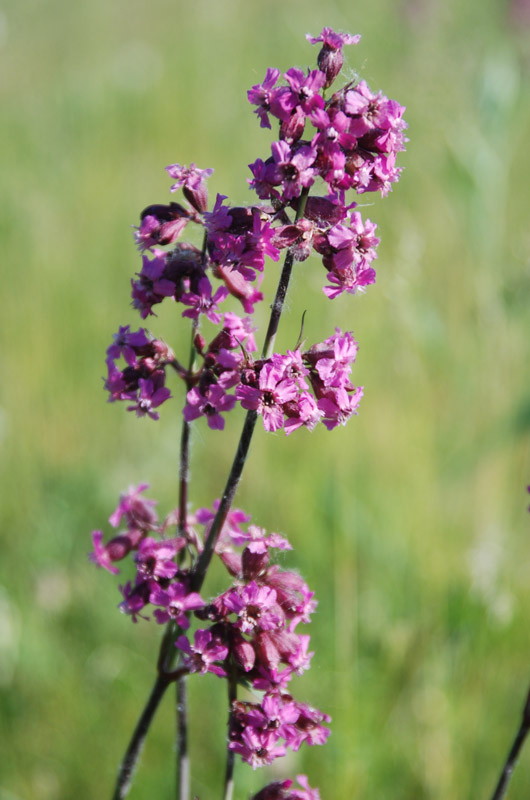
(410, 523)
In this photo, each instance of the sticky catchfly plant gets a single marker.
(333, 142)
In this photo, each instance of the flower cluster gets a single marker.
(356, 136)
(278, 388)
(289, 391)
(252, 632)
(142, 380)
(159, 579)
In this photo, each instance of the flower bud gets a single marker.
(253, 564)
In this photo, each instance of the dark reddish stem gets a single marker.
(130, 760)
(511, 760)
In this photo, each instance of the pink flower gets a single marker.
(177, 601)
(150, 397)
(202, 302)
(255, 606)
(211, 404)
(138, 511)
(268, 399)
(152, 285)
(308, 727)
(266, 98)
(257, 748)
(100, 554)
(292, 169)
(153, 559)
(192, 180)
(135, 598)
(203, 653)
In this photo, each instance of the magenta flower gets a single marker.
(239, 287)
(333, 39)
(211, 404)
(241, 331)
(368, 111)
(135, 598)
(176, 602)
(338, 406)
(291, 366)
(203, 653)
(153, 559)
(266, 98)
(138, 511)
(257, 540)
(116, 385)
(192, 180)
(349, 279)
(127, 344)
(270, 679)
(292, 169)
(258, 748)
(283, 791)
(296, 599)
(149, 398)
(231, 530)
(202, 302)
(161, 225)
(335, 370)
(308, 727)
(275, 712)
(300, 660)
(307, 793)
(302, 411)
(269, 398)
(255, 606)
(101, 555)
(152, 285)
(306, 88)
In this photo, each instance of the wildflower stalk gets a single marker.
(358, 134)
(511, 760)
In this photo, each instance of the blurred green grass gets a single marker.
(410, 523)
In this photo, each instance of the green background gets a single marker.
(410, 523)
